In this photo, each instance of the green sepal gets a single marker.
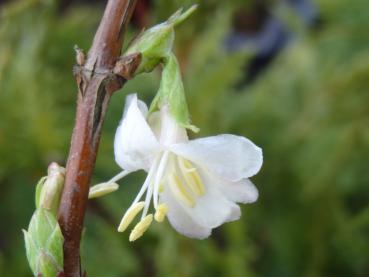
(156, 43)
(44, 244)
(171, 93)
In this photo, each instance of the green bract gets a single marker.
(171, 93)
(44, 244)
(156, 43)
(155, 46)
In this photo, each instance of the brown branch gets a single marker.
(97, 80)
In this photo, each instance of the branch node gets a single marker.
(126, 66)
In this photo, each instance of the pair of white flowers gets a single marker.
(194, 183)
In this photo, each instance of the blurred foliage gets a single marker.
(308, 111)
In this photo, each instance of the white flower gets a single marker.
(195, 183)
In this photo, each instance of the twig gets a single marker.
(97, 79)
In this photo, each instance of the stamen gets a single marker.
(130, 215)
(180, 191)
(159, 176)
(140, 228)
(102, 189)
(119, 176)
(147, 182)
(161, 212)
(192, 177)
(161, 187)
(147, 201)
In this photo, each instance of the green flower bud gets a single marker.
(171, 93)
(49, 189)
(44, 244)
(157, 42)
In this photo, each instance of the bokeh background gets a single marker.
(290, 75)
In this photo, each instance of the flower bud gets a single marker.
(44, 244)
(49, 189)
(156, 43)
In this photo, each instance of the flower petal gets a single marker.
(212, 209)
(243, 191)
(235, 214)
(180, 220)
(229, 156)
(135, 145)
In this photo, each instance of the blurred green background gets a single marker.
(308, 108)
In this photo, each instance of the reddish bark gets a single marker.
(97, 79)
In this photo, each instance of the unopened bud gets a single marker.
(44, 244)
(80, 55)
(49, 190)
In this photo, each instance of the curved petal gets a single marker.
(229, 156)
(212, 209)
(135, 145)
(243, 191)
(233, 211)
(235, 214)
(180, 220)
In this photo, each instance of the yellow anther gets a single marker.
(187, 165)
(191, 177)
(180, 191)
(161, 187)
(161, 212)
(130, 215)
(140, 228)
(199, 185)
(102, 189)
